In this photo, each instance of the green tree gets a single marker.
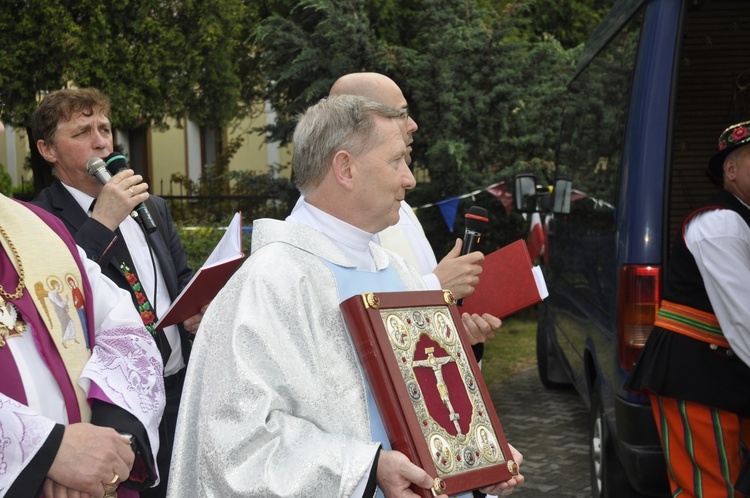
(156, 60)
(486, 102)
(570, 22)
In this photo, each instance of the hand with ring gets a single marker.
(110, 489)
(91, 460)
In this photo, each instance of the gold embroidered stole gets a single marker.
(51, 275)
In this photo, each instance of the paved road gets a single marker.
(550, 428)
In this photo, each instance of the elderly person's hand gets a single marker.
(480, 328)
(459, 274)
(89, 459)
(505, 488)
(192, 323)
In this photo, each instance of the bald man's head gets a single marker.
(380, 88)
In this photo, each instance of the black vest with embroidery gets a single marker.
(683, 283)
(677, 366)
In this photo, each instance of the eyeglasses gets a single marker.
(404, 113)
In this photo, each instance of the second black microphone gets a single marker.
(116, 162)
(476, 220)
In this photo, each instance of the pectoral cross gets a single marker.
(437, 368)
(10, 323)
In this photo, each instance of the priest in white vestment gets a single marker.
(275, 402)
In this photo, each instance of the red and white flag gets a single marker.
(537, 240)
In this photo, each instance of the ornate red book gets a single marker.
(431, 395)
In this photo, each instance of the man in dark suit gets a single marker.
(71, 127)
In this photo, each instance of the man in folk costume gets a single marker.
(73, 420)
(293, 415)
(695, 363)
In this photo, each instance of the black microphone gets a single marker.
(476, 220)
(116, 162)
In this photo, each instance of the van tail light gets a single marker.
(639, 298)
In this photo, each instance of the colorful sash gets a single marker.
(690, 322)
(52, 280)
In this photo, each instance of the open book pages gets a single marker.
(540, 283)
(210, 278)
(230, 245)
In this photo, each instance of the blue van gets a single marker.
(658, 81)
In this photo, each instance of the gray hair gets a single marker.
(336, 123)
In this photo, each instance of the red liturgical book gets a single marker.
(508, 283)
(430, 393)
(226, 257)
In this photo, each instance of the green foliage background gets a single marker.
(484, 80)
(6, 182)
(200, 241)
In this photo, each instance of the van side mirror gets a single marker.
(524, 194)
(561, 195)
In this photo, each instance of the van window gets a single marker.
(590, 153)
(713, 92)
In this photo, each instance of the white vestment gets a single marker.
(407, 239)
(274, 402)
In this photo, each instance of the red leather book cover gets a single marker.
(204, 286)
(219, 267)
(426, 382)
(506, 284)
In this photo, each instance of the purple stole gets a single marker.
(12, 384)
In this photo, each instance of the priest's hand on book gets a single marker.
(396, 474)
(505, 488)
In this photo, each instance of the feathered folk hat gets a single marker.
(733, 137)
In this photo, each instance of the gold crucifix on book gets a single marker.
(436, 364)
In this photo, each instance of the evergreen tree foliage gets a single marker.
(488, 104)
(154, 59)
(484, 78)
(570, 22)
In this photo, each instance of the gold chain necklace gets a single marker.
(21, 284)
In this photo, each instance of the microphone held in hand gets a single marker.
(98, 168)
(476, 221)
(116, 162)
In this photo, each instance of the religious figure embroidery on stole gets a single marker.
(79, 302)
(54, 293)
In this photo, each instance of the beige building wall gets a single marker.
(168, 155)
(176, 150)
(256, 154)
(14, 149)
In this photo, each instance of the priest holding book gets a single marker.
(275, 401)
